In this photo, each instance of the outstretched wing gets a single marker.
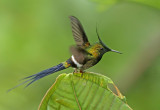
(78, 33)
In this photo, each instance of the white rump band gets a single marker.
(75, 62)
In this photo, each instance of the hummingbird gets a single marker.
(84, 55)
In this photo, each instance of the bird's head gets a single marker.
(103, 48)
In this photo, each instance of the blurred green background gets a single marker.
(36, 35)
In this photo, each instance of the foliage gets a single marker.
(36, 34)
(103, 4)
(87, 91)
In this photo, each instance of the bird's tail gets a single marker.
(43, 73)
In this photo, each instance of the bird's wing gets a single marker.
(78, 33)
(80, 54)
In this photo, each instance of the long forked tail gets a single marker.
(42, 74)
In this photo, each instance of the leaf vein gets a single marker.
(91, 100)
(113, 100)
(99, 100)
(75, 93)
(87, 94)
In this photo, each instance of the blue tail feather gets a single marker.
(41, 74)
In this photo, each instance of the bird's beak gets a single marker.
(106, 47)
(115, 51)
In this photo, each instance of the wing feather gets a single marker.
(78, 32)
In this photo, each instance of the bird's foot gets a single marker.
(76, 71)
(81, 71)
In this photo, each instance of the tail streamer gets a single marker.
(42, 74)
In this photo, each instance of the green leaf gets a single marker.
(87, 91)
(104, 4)
(152, 3)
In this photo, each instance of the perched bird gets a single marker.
(84, 55)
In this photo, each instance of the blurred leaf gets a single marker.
(82, 92)
(104, 4)
(152, 3)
